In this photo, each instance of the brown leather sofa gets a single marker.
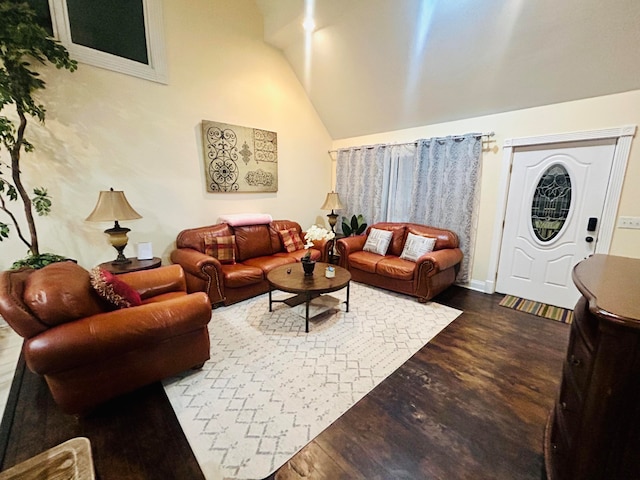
(431, 274)
(89, 352)
(258, 249)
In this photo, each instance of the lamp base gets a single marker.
(118, 238)
(333, 219)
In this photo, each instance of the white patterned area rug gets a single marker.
(270, 388)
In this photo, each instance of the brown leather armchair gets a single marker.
(90, 352)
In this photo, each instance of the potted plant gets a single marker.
(356, 227)
(23, 41)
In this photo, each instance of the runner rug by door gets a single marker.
(540, 309)
(270, 388)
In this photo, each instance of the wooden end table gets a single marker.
(133, 266)
(291, 278)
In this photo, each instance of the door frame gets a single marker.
(623, 135)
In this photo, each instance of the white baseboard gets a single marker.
(476, 285)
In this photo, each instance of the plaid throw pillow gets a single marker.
(222, 247)
(291, 240)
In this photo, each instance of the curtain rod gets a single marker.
(477, 135)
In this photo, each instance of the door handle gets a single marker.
(589, 239)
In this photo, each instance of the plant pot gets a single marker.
(308, 266)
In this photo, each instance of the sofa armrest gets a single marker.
(439, 260)
(323, 246)
(348, 245)
(111, 334)
(157, 281)
(206, 269)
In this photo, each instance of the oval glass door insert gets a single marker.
(551, 203)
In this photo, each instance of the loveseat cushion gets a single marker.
(365, 261)
(252, 241)
(396, 268)
(444, 238)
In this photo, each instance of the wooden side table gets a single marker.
(134, 266)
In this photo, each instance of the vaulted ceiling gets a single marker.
(373, 66)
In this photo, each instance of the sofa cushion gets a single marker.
(252, 241)
(396, 268)
(266, 264)
(378, 241)
(417, 245)
(194, 237)
(222, 247)
(291, 240)
(61, 292)
(239, 275)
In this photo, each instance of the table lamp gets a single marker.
(332, 203)
(113, 206)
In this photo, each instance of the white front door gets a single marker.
(554, 207)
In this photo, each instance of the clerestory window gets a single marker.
(125, 36)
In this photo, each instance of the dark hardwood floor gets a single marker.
(470, 404)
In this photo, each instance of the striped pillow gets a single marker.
(291, 240)
(378, 241)
(222, 247)
(417, 245)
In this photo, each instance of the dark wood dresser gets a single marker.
(593, 431)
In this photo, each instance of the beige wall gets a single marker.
(591, 114)
(106, 129)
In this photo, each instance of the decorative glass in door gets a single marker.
(551, 203)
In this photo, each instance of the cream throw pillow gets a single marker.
(416, 245)
(378, 241)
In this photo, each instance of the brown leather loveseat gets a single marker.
(90, 351)
(229, 277)
(424, 277)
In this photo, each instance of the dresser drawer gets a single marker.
(578, 362)
(568, 410)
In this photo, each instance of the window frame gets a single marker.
(155, 70)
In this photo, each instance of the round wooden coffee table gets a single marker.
(291, 278)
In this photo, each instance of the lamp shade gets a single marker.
(112, 205)
(332, 202)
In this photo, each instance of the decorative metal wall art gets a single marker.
(239, 159)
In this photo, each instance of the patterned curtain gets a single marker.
(440, 174)
(445, 191)
(359, 183)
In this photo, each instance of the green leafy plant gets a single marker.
(38, 261)
(23, 41)
(356, 227)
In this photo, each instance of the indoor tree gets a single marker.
(22, 41)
